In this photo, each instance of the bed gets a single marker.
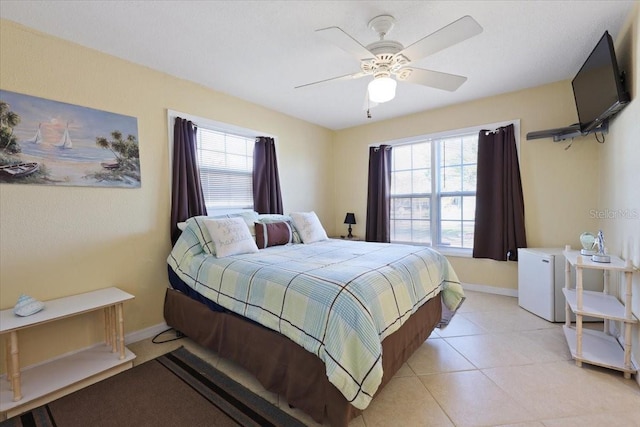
(311, 321)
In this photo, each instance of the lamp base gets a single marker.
(350, 236)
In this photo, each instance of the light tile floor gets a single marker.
(495, 364)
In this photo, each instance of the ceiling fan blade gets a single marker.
(456, 32)
(333, 79)
(435, 79)
(345, 42)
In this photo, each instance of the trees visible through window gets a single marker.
(433, 187)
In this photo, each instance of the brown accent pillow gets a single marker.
(273, 234)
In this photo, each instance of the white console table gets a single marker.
(23, 389)
(596, 347)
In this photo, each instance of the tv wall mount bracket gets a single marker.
(569, 132)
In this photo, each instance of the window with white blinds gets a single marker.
(226, 166)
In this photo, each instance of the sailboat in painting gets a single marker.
(65, 141)
(37, 138)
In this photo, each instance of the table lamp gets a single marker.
(350, 219)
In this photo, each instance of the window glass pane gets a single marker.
(451, 152)
(450, 208)
(239, 163)
(469, 208)
(236, 145)
(401, 157)
(421, 156)
(420, 208)
(470, 149)
(467, 233)
(401, 182)
(401, 231)
(469, 177)
(421, 181)
(450, 179)
(451, 234)
(421, 232)
(210, 140)
(401, 208)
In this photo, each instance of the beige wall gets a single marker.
(619, 201)
(57, 241)
(560, 186)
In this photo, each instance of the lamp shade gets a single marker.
(382, 89)
(350, 218)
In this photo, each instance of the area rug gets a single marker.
(176, 389)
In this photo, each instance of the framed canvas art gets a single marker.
(54, 143)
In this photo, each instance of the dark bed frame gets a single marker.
(281, 365)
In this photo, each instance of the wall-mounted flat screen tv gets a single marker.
(598, 87)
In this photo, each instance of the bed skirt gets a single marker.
(281, 365)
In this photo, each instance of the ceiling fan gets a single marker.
(386, 59)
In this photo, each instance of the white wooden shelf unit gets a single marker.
(24, 389)
(596, 347)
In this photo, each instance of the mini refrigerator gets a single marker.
(541, 279)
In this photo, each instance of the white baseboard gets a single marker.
(143, 334)
(490, 289)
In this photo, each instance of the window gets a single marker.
(433, 187)
(226, 167)
(433, 190)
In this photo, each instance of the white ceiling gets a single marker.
(260, 50)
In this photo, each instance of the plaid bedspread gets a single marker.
(337, 299)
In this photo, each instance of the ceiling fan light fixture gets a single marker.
(382, 89)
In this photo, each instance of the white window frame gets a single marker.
(202, 122)
(434, 195)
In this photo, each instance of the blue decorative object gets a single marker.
(27, 306)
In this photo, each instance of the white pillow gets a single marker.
(231, 236)
(309, 226)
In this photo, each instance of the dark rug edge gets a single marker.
(227, 394)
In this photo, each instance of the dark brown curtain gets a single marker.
(378, 201)
(187, 199)
(499, 228)
(267, 197)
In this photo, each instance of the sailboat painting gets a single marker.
(48, 142)
(37, 138)
(65, 142)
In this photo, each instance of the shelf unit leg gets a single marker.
(7, 348)
(15, 367)
(107, 335)
(579, 302)
(605, 290)
(579, 335)
(627, 326)
(112, 329)
(567, 285)
(120, 330)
